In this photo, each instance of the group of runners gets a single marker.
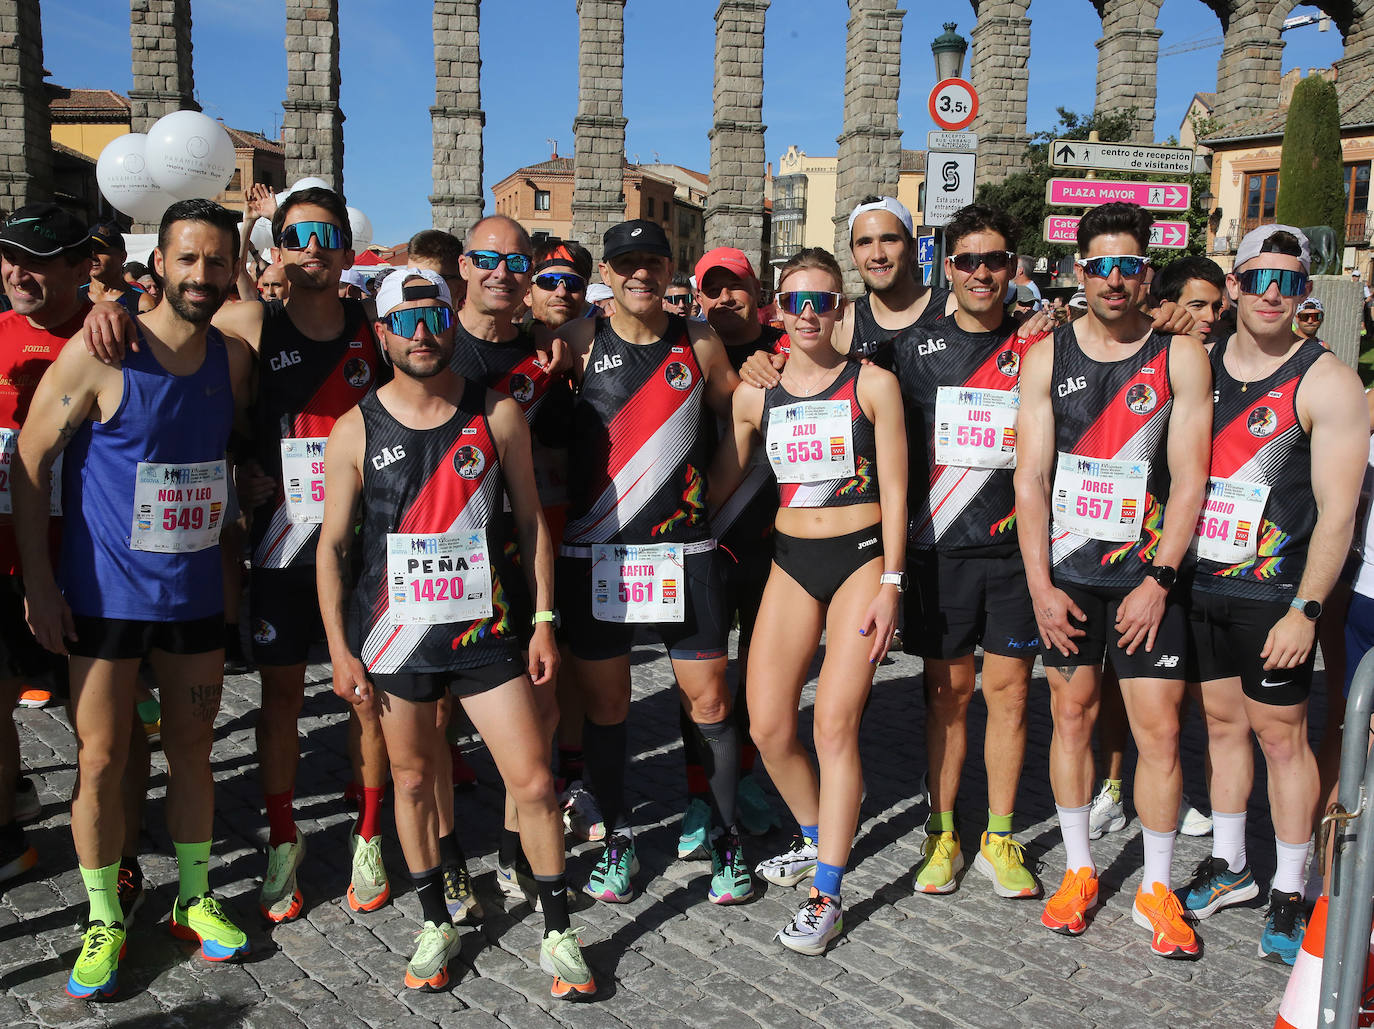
(470, 505)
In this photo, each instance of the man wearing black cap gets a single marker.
(107, 271)
(44, 258)
(638, 547)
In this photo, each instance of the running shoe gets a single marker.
(517, 882)
(819, 921)
(16, 856)
(34, 697)
(581, 814)
(203, 919)
(368, 886)
(731, 882)
(96, 974)
(1191, 821)
(1285, 924)
(696, 823)
(464, 778)
(1161, 913)
(941, 864)
(26, 804)
(1214, 886)
(756, 815)
(792, 865)
(281, 898)
(560, 955)
(1067, 911)
(131, 896)
(428, 966)
(611, 879)
(1003, 860)
(460, 898)
(1107, 815)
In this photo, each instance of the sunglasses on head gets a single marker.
(1100, 267)
(996, 260)
(406, 322)
(487, 260)
(297, 237)
(821, 301)
(1257, 281)
(550, 281)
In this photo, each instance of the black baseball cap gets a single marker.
(43, 230)
(637, 234)
(108, 237)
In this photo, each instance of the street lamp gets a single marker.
(949, 49)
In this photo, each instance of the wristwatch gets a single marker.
(1309, 608)
(1163, 574)
(548, 616)
(897, 579)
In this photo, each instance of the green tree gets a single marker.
(1312, 172)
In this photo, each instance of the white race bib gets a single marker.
(1104, 500)
(178, 508)
(8, 439)
(812, 441)
(975, 428)
(437, 578)
(302, 475)
(1228, 527)
(638, 583)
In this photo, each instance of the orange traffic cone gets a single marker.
(1298, 1009)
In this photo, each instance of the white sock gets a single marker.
(1073, 826)
(1159, 858)
(1292, 859)
(1228, 838)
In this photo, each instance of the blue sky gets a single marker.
(529, 77)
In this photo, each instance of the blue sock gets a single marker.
(811, 832)
(829, 879)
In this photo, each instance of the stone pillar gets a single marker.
(1127, 61)
(1343, 299)
(997, 69)
(312, 131)
(25, 132)
(1358, 58)
(456, 203)
(734, 206)
(599, 128)
(160, 32)
(1251, 65)
(870, 154)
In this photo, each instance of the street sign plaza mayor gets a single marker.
(1157, 196)
(1154, 196)
(1063, 228)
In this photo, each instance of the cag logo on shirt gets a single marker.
(1009, 363)
(930, 346)
(1072, 385)
(284, 360)
(521, 388)
(469, 461)
(389, 455)
(1141, 399)
(357, 372)
(1262, 421)
(606, 363)
(679, 376)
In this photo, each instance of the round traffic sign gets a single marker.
(953, 104)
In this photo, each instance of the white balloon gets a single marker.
(122, 173)
(309, 182)
(190, 155)
(361, 227)
(261, 236)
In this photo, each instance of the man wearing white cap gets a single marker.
(426, 460)
(1290, 434)
(1308, 319)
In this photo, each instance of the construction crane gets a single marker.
(1322, 21)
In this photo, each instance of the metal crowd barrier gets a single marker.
(1351, 904)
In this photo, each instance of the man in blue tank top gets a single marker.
(145, 492)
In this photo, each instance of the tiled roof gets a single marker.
(66, 105)
(255, 140)
(1356, 98)
(554, 164)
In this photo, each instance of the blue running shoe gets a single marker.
(611, 878)
(1285, 923)
(1214, 886)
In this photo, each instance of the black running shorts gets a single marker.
(956, 602)
(1225, 638)
(1165, 661)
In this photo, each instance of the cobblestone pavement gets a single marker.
(669, 958)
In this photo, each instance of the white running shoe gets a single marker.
(1191, 821)
(1107, 815)
(792, 865)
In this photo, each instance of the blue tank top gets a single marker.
(162, 419)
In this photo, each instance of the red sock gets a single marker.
(698, 785)
(371, 812)
(281, 820)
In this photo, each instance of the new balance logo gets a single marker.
(1167, 661)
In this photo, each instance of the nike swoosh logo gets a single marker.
(1271, 685)
(21, 221)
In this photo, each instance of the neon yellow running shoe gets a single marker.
(1003, 860)
(96, 974)
(204, 920)
(943, 861)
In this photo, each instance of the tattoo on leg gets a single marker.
(205, 701)
(1066, 670)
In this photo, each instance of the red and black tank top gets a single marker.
(862, 486)
(1257, 438)
(1115, 411)
(441, 480)
(875, 343)
(304, 387)
(638, 451)
(955, 507)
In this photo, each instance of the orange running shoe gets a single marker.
(1161, 913)
(34, 697)
(1066, 912)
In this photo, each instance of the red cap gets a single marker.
(729, 258)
